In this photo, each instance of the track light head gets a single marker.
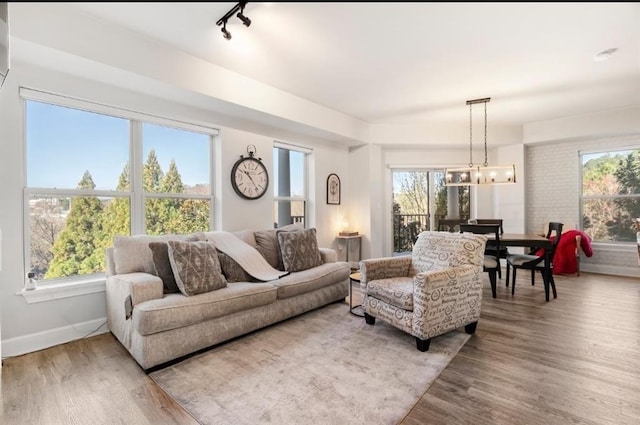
(246, 21)
(227, 34)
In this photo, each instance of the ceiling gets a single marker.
(408, 63)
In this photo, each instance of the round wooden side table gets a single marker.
(356, 310)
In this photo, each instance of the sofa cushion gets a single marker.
(299, 250)
(195, 267)
(438, 250)
(132, 254)
(175, 311)
(297, 283)
(267, 244)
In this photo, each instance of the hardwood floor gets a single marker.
(575, 359)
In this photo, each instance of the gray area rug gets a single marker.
(323, 367)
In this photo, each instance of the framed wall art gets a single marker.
(333, 189)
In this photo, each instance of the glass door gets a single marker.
(419, 200)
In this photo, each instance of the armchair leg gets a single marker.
(471, 327)
(371, 320)
(423, 344)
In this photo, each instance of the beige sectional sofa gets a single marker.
(157, 327)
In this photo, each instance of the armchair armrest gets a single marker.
(446, 299)
(381, 268)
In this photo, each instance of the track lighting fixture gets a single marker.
(237, 8)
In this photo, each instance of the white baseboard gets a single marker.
(611, 270)
(40, 340)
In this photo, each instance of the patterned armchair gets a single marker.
(435, 290)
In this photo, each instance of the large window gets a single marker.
(290, 185)
(420, 200)
(610, 194)
(93, 175)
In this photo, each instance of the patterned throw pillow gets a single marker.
(299, 250)
(196, 267)
(162, 265)
(267, 244)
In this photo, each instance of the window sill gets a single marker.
(614, 247)
(63, 290)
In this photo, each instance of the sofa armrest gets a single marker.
(140, 286)
(446, 299)
(328, 255)
(381, 268)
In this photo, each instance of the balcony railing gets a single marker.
(406, 228)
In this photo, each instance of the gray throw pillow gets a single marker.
(299, 250)
(267, 244)
(232, 270)
(160, 253)
(196, 267)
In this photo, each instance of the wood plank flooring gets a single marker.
(573, 360)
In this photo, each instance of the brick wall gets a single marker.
(552, 194)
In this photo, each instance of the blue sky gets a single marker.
(62, 143)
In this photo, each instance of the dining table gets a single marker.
(530, 240)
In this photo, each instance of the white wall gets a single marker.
(27, 327)
(366, 198)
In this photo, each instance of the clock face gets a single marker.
(249, 178)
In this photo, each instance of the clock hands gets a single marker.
(250, 178)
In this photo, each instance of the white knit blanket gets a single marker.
(244, 254)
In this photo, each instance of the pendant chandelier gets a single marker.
(479, 175)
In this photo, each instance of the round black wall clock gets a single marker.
(249, 176)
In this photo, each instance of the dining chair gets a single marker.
(450, 224)
(491, 262)
(503, 251)
(534, 262)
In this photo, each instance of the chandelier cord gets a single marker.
(470, 137)
(486, 163)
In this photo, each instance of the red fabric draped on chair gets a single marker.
(565, 260)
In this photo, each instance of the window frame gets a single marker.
(305, 184)
(631, 245)
(136, 195)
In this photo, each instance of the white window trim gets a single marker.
(612, 246)
(75, 286)
(71, 288)
(305, 183)
(115, 111)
